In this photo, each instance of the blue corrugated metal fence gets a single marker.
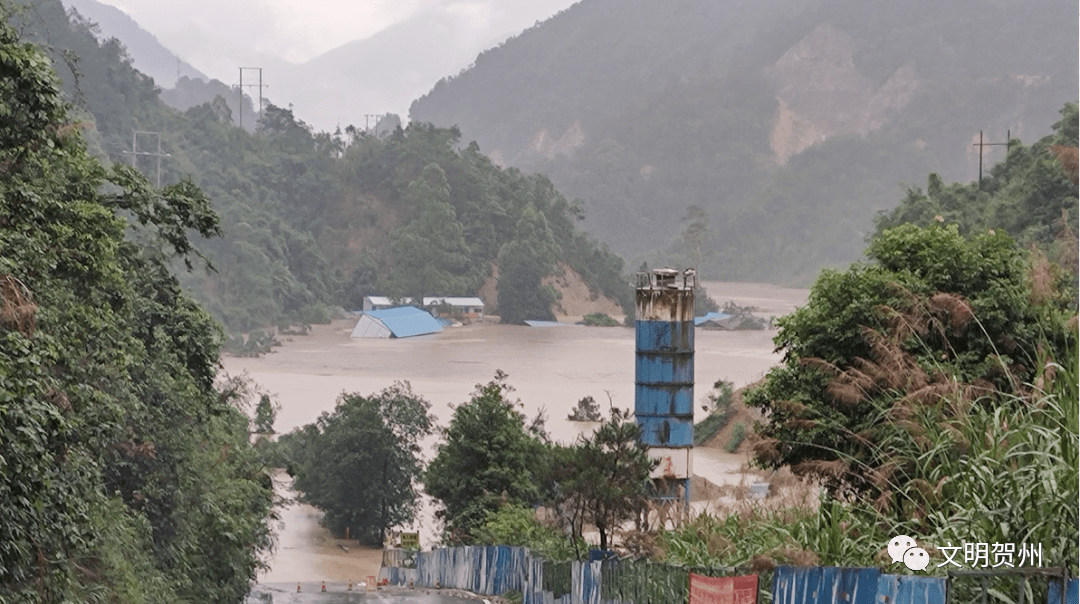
(497, 569)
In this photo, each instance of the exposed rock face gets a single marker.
(550, 147)
(821, 94)
(575, 299)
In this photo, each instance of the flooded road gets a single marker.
(306, 551)
(549, 368)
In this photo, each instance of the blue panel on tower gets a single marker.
(666, 431)
(669, 400)
(665, 336)
(655, 368)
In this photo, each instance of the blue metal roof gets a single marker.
(406, 321)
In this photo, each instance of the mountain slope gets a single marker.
(312, 220)
(147, 54)
(791, 127)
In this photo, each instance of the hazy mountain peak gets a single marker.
(147, 54)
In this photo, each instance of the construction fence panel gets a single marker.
(397, 576)
(485, 570)
(907, 589)
(493, 570)
(1071, 595)
(628, 581)
(723, 590)
(825, 585)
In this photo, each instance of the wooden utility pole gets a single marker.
(981, 144)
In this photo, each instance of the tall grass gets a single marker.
(953, 465)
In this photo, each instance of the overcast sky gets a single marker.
(214, 35)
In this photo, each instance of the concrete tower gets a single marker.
(664, 375)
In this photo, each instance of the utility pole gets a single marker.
(134, 153)
(981, 144)
(260, 86)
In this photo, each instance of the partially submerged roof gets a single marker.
(400, 322)
(533, 323)
(379, 300)
(712, 317)
(453, 301)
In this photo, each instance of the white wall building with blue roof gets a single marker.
(401, 322)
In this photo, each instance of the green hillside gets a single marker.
(313, 220)
(791, 126)
(126, 468)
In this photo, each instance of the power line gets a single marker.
(981, 144)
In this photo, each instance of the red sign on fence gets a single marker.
(723, 590)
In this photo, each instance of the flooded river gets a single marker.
(550, 369)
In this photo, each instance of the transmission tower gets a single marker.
(260, 86)
(134, 153)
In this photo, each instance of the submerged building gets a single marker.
(400, 322)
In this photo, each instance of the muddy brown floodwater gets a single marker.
(550, 369)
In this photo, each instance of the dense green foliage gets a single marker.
(604, 478)
(431, 256)
(313, 220)
(359, 463)
(934, 311)
(126, 474)
(526, 261)
(1027, 195)
(517, 525)
(490, 456)
(937, 387)
(493, 467)
(643, 110)
(982, 474)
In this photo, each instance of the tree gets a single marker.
(265, 413)
(359, 463)
(936, 314)
(489, 455)
(523, 264)
(1024, 195)
(430, 254)
(607, 476)
(126, 472)
(693, 236)
(587, 410)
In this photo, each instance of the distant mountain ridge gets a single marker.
(378, 74)
(791, 126)
(147, 53)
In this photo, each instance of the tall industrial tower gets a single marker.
(664, 375)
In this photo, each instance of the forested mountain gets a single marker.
(315, 220)
(790, 125)
(126, 469)
(146, 52)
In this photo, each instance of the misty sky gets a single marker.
(217, 36)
